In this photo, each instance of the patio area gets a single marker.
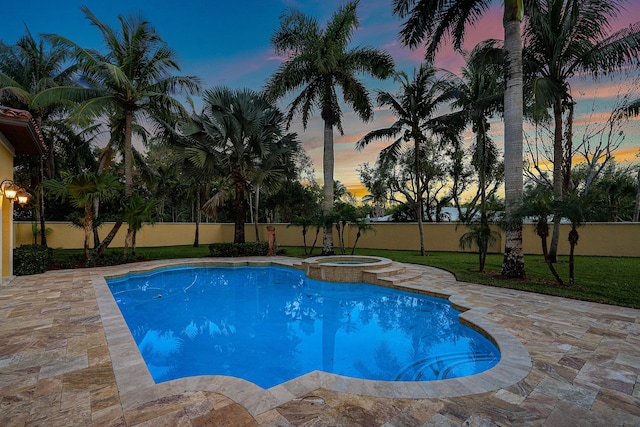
(67, 360)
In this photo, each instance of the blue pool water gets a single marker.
(272, 324)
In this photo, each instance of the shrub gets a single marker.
(31, 259)
(239, 249)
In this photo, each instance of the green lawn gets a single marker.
(611, 280)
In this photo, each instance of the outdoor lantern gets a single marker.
(9, 189)
(23, 197)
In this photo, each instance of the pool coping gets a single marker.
(135, 384)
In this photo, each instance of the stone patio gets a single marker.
(67, 360)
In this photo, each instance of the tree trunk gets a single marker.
(88, 225)
(128, 154)
(43, 225)
(97, 252)
(128, 240)
(419, 208)
(196, 239)
(543, 232)
(238, 236)
(96, 212)
(567, 161)
(558, 158)
(573, 241)
(315, 240)
(255, 216)
(327, 201)
(636, 211)
(304, 238)
(353, 249)
(513, 263)
(133, 244)
(483, 241)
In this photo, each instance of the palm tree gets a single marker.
(565, 38)
(540, 206)
(319, 61)
(234, 131)
(27, 68)
(137, 211)
(275, 166)
(81, 190)
(132, 81)
(132, 78)
(436, 21)
(572, 207)
(414, 108)
(481, 95)
(363, 228)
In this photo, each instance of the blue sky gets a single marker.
(227, 43)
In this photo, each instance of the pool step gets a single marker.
(393, 275)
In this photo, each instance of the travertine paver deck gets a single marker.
(67, 360)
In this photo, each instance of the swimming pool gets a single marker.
(271, 324)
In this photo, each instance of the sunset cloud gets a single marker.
(227, 43)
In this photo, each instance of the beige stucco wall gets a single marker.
(6, 172)
(611, 239)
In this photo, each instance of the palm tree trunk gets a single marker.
(255, 215)
(88, 225)
(558, 157)
(196, 240)
(128, 241)
(543, 232)
(133, 244)
(238, 236)
(327, 202)
(567, 162)
(43, 225)
(97, 252)
(304, 238)
(315, 240)
(128, 154)
(636, 211)
(353, 249)
(513, 263)
(419, 208)
(573, 241)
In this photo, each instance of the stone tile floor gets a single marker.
(67, 360)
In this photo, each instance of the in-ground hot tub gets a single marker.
(342, 268)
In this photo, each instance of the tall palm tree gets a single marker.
(27, 68)
(565, 38)
(414, 108)
(131, 82)
(481, 95)
(320, 61)
(436, 21)
(132, 78)
(236, 129)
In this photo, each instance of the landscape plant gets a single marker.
(81, 190)
(540, 206)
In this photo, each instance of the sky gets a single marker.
(227, 43)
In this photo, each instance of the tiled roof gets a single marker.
(22, 131)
